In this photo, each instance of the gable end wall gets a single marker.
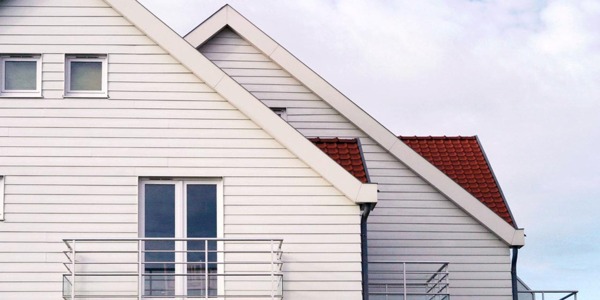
(412, 221)
(71, 166)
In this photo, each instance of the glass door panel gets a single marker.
(159, 222)
(201, 212)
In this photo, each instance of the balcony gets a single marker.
(167, 268)
(408, 281)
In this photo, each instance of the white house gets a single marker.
(138, 164)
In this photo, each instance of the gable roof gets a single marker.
(463, 160)
(227, 16)
(214, 77)
(346, 152)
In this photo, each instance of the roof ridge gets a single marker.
(332, 139)
(437, 137)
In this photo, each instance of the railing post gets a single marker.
(73, 252)
(140, 270)
(206, 279)
(404, 279)
(272, 273)
(447, 280)
(386, 292)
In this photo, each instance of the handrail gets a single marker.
(99, 268)
(533, 293)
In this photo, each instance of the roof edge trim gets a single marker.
(285, 134)
(487, 161)
(228, 16)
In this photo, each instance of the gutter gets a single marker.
(365, 210)
(513, 273)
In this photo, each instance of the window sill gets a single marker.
(86, 96)
(9, 95)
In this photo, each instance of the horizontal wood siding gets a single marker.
(412, 221)
(71, 166)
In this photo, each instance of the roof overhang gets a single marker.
(192, 59)
(227, 16)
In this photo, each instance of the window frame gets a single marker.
(102, 58)
(21, 93)
(180, 206)
(280, 112)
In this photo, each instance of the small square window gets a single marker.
(21, 75)
(86, 76)
(281, 112)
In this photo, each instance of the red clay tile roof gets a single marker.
(463, 160)
(346, 152)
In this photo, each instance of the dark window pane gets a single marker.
(86, 76)
(159, 210)
(202, 223)
(159, 221)
(20, 75)
(202, 210)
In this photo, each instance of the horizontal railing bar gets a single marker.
(548, 292)
(173, 239)
(179, 296)
(411, 272)
(173, 251)
(398, 285)
(182, 263)
(410, 262)
(410, 294)
(174, 274)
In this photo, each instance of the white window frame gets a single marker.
(180, 229)
(21, 93)
(102, 58)
(281, 112)
(1, 198)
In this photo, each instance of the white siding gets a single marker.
(412, 221)
(71, 166)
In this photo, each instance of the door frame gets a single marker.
(180, 224)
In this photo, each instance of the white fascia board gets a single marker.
(227, 16)
(295, 142)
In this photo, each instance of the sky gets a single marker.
(522, 75)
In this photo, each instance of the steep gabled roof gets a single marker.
(214, 77)
(227, 16)
(463, 160)
(346, 152)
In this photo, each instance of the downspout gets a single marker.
(365, 210)
(513, 273)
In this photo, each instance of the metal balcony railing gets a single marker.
(173, 268)
(408, 280)
(547, 295)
